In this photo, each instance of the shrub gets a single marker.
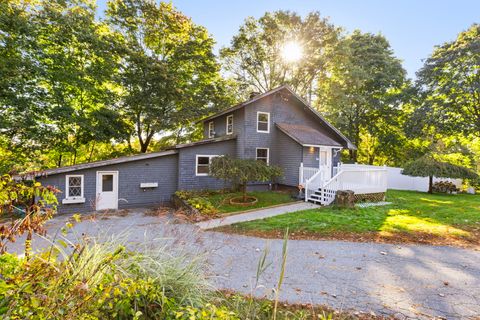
(203, 205)
(101, 281)
(197, 200)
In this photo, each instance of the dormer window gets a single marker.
(211, 129)
(263, 122)
(229, 128)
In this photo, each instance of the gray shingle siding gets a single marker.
(287, 154)
(187, 180)
(310, 157)
(130, 174)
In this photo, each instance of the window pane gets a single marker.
(107, 182)
(262, 153)
(74, 191)
(323, 158)
(203, 169)
(263, 126)
(263, 117)
(203, 160)
(230, 120)
(74, 181)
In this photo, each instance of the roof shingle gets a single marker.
(307, 135)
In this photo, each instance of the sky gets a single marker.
(413, 27)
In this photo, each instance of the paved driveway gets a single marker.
(408, 281)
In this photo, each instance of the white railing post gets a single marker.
(300, 174)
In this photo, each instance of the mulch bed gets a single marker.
(393, 238)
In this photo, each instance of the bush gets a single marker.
(197, 200)
(101, 281)
(444, 187)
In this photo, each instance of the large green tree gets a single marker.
(21, 112)
(254, 58)
(449, 83)
(361, 92)
(78, 61)
(169, 73)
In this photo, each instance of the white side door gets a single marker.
(325, 161)
(107, 190)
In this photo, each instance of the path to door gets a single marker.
(256, 215)
(411, 281)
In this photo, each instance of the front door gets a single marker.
(107, 190)
(325, 158)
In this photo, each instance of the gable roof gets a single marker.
(305, 135)
(348, 143)
(100, 163)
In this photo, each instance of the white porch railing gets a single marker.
(306, 173)
(360, 179)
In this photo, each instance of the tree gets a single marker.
(242, 171)
(254, 58)
(168, 70)
(449, 83)
(78, 63)
(362, 91)
(427, 166)
(21, 110)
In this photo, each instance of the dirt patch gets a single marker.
(472, 242)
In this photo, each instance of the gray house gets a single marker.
(277, 127)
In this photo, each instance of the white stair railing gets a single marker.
(306, 173)
(312, 184)
(360, 181)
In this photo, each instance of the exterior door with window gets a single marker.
(107, 190)
(325, 161)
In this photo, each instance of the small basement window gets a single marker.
(211, 129)
(202, 167)
(74, 189)
(263, 122)
(263, 155)
(229, 124)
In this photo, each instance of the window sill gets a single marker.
(73, 200)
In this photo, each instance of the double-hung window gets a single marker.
(211, 129)
(263, 122)
(263, 155)
(202, 167)
(74, 189)
(229, 128)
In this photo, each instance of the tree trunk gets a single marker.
(244, 190)
(430, 184)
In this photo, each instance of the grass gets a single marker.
(412, 217)
(265, 199)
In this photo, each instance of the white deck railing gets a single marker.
(305, 173)
(360, 179)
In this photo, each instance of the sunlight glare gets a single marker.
(291, 51)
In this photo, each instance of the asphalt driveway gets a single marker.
(409, 281)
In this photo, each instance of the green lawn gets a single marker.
(411, 213)
(265, 199)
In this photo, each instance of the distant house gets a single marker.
(277, 127)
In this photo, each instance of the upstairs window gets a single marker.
(202, 167)
(211, 129)
(74, 186)
(263, 122)
(229, 129)
(262, 155)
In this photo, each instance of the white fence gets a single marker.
(396, 180)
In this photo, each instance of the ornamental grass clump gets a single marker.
(101, 280)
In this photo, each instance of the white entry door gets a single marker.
(325, 158)
(107, 190)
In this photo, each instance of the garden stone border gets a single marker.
(179, 203)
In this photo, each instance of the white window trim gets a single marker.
(68, 199)
(210, 156)
(268, 154)
(211, 132)
(268, 123)
(226, 125)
